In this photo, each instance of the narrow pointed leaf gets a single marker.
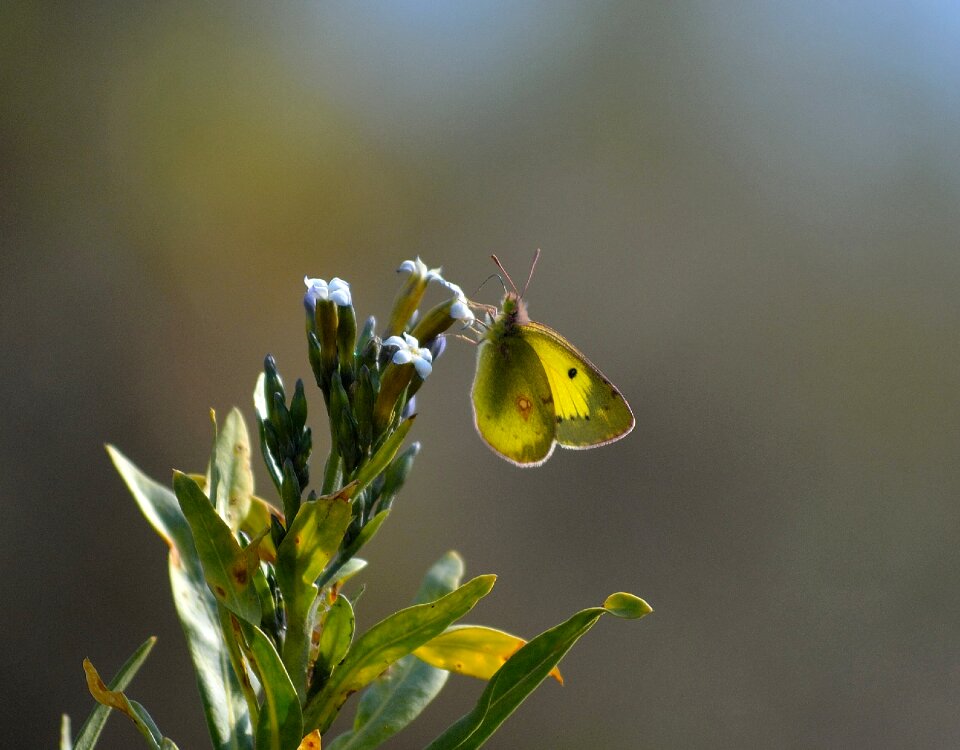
(118, 700)
(335, 638)
(391, 703)
(388, 641)
(66, 733)
(230, 476)
(93, 726)
(473, 650)
(382, 458)
(399, 695)
(280, 726)
(519, 677)
(225, 709)
(227, 567)
(227, 714)
(334, 571)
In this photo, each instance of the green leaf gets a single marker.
(118, 700)
(398, 696)
(280, 726)
(222, 695)
(66, 733)
(442, 578)
(230, 477)
(159, 505)
(382, 458)
(335, 638)
(627, 606)
(519, 677)
(227, 567)
(391, 703)
(312, 539)
(386, 642)
(93, 726)
(348, 570)
(334, 571)
(473, 650)
(260, 396)
(225, 708)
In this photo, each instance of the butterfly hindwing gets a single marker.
(588, 408)
(512, 401)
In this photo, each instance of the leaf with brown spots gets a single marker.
(229, 476)
(227, 567)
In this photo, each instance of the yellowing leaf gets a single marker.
(473, 650)
(311, 741)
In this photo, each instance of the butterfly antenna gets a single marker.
(491, 276)
(536, 257)
(504, 272)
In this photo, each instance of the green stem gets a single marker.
(296, 645)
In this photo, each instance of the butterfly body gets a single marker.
(533, 389)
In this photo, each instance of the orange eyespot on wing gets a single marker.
(512, 402)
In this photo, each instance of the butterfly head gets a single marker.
(513, 311)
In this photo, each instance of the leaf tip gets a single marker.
(627, 606)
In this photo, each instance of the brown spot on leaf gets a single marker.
(220, 592)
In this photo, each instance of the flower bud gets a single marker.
(410, 294)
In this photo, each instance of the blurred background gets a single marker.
(749, 219)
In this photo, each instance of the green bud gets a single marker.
(346, 341)
(290, 491)
(410, 294)
(435, 322)
(343, 425)
(298, 407)
(393, 385)
(364, 397)
(370, 355)
(396, 475)
(366, 335)
(326, 328)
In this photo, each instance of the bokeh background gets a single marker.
(749, 218)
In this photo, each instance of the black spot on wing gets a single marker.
(572, 373)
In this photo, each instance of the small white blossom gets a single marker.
(410, 352)
(337, 291)
(460, 310)
(419, 268)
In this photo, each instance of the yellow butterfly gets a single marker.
(534, 389)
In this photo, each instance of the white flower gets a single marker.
(460, 310)
(409, 351)
(419, 268)
(337, 291)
